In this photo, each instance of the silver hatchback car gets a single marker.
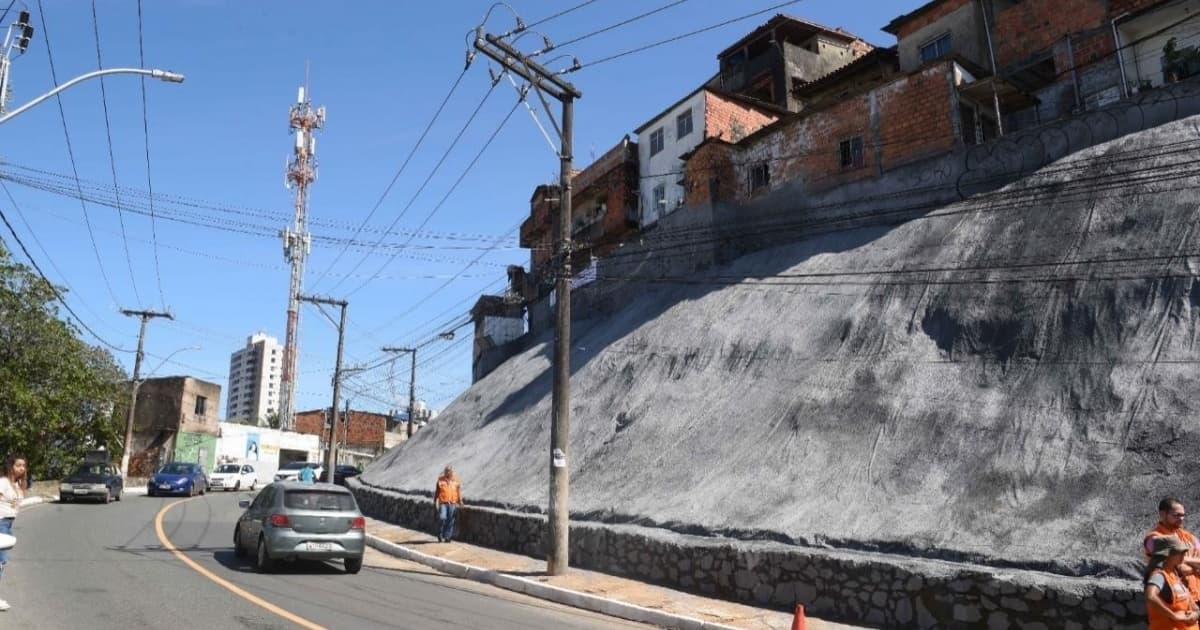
(289, 520)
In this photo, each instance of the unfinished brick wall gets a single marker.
(915, 116)
(709, 174)
(1032, 27)
(732, 120)
(364, 429)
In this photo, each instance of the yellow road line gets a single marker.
(226, 584)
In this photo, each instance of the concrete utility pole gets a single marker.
(331, 456)
(412, 385)
(549, 82)
(137, 375)
(301, 171)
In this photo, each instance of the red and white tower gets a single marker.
(301, 171)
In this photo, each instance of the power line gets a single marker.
(112, 160)
(449, 192)
(54, 289)
(71, 154)
(429, 177)
(399, 171)
(149, 180)
(610, 27)
(683, 36)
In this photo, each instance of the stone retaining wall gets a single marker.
(874, 589)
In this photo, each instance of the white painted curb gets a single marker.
(537, 589)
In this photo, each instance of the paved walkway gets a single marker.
(587, 589)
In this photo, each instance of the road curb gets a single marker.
(533, 588)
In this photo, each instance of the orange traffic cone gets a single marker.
(798, 619)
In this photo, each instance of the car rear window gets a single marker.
(318, 500)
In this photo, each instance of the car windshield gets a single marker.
(89, 469)
(318, 500)
(176, 469)
(298, 466)
(228, 468)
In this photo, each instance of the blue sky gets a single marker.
(219, 141)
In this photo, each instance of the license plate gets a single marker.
(320, 546)
(80, 491)
(164, 486)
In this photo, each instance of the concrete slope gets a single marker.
(1010, 380)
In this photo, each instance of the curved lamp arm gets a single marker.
(164, 75)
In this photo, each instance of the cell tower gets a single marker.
(301, 171)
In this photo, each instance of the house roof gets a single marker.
(873, 58)
(793, 24)
(894, 26)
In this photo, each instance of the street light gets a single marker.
(162, 75)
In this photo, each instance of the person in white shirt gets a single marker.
(12, 490)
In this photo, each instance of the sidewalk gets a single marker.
(615, 596)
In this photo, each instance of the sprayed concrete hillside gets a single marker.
(1012, 379)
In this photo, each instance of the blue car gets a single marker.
(178, 478)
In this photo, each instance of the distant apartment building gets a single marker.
(254, 375)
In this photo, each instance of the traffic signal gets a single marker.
(24, 31)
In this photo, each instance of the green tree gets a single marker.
(59, 396)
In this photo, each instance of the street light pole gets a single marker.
(412, 385)
(170, 77)
(145, 316)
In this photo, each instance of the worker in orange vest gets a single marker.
(446, 499)
(1169, 604)
(1170, 523)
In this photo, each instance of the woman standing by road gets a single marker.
(12, 490)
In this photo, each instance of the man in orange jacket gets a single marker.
(446, 499)
(1170, 523)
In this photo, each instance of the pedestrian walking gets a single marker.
(12, 491)
(1169, 603)
(1171, 515)
(307, 475)
(446, 499)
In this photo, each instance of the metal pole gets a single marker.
(557, 559)
(337, 391)
(170, 77)
(412, 393)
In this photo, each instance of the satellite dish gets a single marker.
(7, 541)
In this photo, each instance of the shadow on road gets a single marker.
(226, 558)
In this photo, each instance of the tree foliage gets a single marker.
(59, 396)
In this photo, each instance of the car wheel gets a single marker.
(192, 490)
(262, 559)
(150, 492)
(353, 565)
(238, 486)
(238, 549)
(253, 485)
(107, 496)
(64, 499)
(119, 490)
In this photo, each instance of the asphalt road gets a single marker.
(103, 566)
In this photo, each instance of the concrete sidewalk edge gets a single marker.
(533, 588)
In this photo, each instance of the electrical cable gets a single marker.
(162, 298)
(112, 159)
(575, 40)
(71, 154)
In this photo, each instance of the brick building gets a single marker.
(935, 91)
(603, 210)
(362, 433)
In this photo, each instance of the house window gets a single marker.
(659, 195)
(683, 124)
(939, 47)
(656, 141)
(760, 176)
(852, 152)
(201, 405)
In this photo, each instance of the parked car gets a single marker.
(233, 477)
(291, 472)
(340, 474)
(178, 478)
(98, 481)
(290, 521)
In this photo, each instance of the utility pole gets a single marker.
(137, 375)
(549, 82)
(22, 31)
(412, 385)
(301, 171)
(331, 456)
